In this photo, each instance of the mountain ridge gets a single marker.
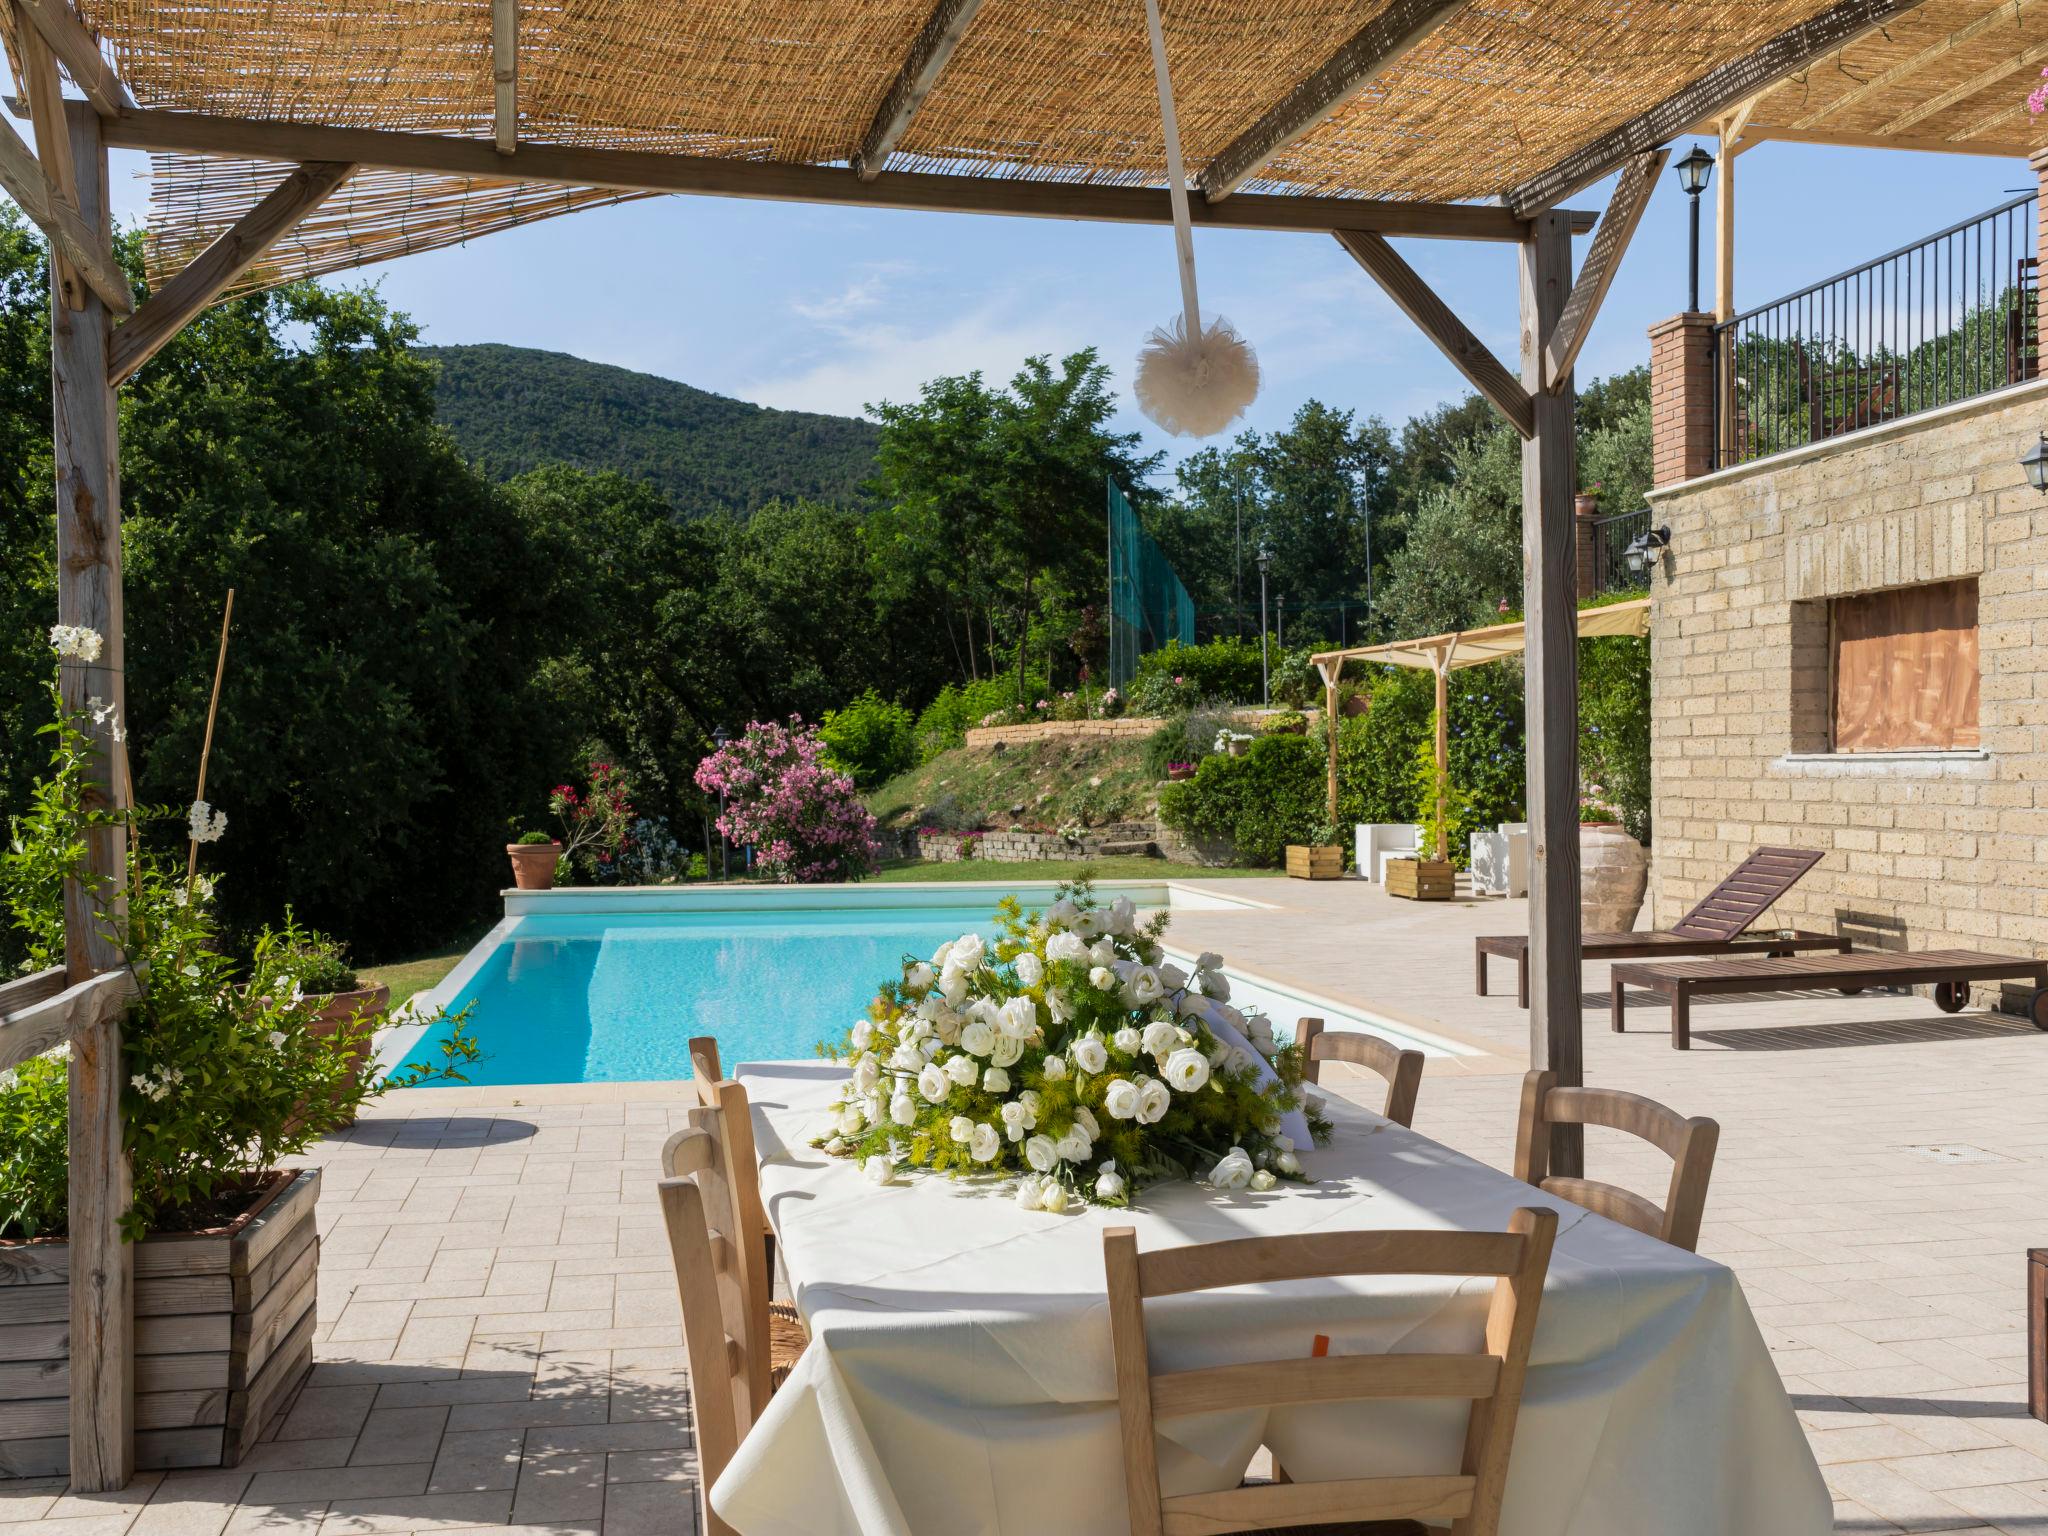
(512, 409)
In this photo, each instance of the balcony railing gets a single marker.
(1611, 538)
(1945, 319)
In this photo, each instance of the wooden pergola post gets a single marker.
(86, 447)
(1549, 585)
(1331, 670)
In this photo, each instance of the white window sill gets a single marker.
(1927, 764)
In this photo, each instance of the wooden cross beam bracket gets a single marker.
(1419, 302)
(929, 55)
(1708, 97)
(1371, 51)
(1610, 243)
(34, 1027)
(89, 255)
(60, 28)
(170, 308)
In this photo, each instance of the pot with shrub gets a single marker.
(1442, 814)
(229, 1080)
(534, 857)
(1322, 858)
(317, 968)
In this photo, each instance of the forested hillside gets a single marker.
(513, 409)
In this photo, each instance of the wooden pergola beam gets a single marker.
(1370, 52)
(1885, 79)
(70, 240)
(1956, 144)
(930, 52)
(711, 176)
(1711, 96)
(505, 73)
(1976, 85)
(75, 49)
(1610, 244)
(1420, 303)
(199, 283)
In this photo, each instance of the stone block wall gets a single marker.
(1016, 846)
(1923, 850)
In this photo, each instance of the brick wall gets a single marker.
(1949, 849)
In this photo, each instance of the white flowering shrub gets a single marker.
(1070, 1053)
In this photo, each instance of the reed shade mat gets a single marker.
(1051, 90)
(959, 1376)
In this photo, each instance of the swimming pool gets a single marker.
(609, 986)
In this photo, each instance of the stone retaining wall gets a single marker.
(1016, 846)
(1082, 730)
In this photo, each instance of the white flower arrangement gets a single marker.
(1070, 1053)
(205, 823)
(76, 642)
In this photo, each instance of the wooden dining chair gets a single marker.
(706, 1076)
(1490, 1379)
(1689, 1144)
(1402, 1069)
(772, 1331)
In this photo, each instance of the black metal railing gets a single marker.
(1611, 538)
(1945, 319)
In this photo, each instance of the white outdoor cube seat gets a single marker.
(1500, 860)
(1377, 838)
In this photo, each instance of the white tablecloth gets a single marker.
(959, 1378)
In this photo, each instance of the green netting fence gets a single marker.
(1148, 606)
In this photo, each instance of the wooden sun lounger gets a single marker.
(1719, 925)
(1950, 971)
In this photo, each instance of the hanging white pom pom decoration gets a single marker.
(1192, 381)
(1196, 386)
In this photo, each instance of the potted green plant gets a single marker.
(1322, 859)
(316, 965)
(1442, 808)
(228, 1079)
(534, 856)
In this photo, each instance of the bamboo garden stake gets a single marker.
(220, 667)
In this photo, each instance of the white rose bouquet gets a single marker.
(1070, 1053)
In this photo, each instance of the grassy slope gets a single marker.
(405, 977)
(1050, 780)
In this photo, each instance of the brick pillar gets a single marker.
(2039, 161)
(1585, 511)
(1682, 397)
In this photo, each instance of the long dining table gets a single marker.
(959, 1380)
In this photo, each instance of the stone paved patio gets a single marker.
(499, 1346)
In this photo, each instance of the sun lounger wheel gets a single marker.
(1951, 996)
(1850, 991)
(2037, 1009)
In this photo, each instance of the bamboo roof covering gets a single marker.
(1488, 95)
(1476, 647)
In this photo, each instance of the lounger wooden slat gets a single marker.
(1721, 923)
(1950, 971)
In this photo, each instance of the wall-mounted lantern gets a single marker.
(2035, 462)
(1645, 549)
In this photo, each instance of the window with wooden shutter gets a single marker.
(1905, 668)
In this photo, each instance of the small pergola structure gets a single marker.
(299, 137)
(1448, 653)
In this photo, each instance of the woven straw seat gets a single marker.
(787, 1337)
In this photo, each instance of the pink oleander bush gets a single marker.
(803, 820)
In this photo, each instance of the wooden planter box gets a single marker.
(223, 1336)
(2037, 1333)
(1307, 862)
(1421, 879)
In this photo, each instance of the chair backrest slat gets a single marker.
(692, 1204)
(1689, 1143)
(704, 1071)
(1402, 1069)
(1331, 1379)
(1491, 1380)
(1320, 1255)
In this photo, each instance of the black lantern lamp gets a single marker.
(1693, 172)
(2035, 462)
(1645, 549)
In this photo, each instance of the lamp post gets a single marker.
(719, 737)
(1693, 172)
(1265, 560)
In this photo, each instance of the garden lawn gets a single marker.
(406, 977)
(1130, 867)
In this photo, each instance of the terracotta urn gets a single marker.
(533, 864)
(1614, 872)
(340, 1009)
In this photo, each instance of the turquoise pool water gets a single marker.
(616, 998)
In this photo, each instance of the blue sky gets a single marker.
(828, 308)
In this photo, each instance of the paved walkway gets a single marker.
(499, 1337)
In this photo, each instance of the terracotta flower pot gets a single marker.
(1614, 871)
(533, 864)
(338, 1010)
(1180, 773)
